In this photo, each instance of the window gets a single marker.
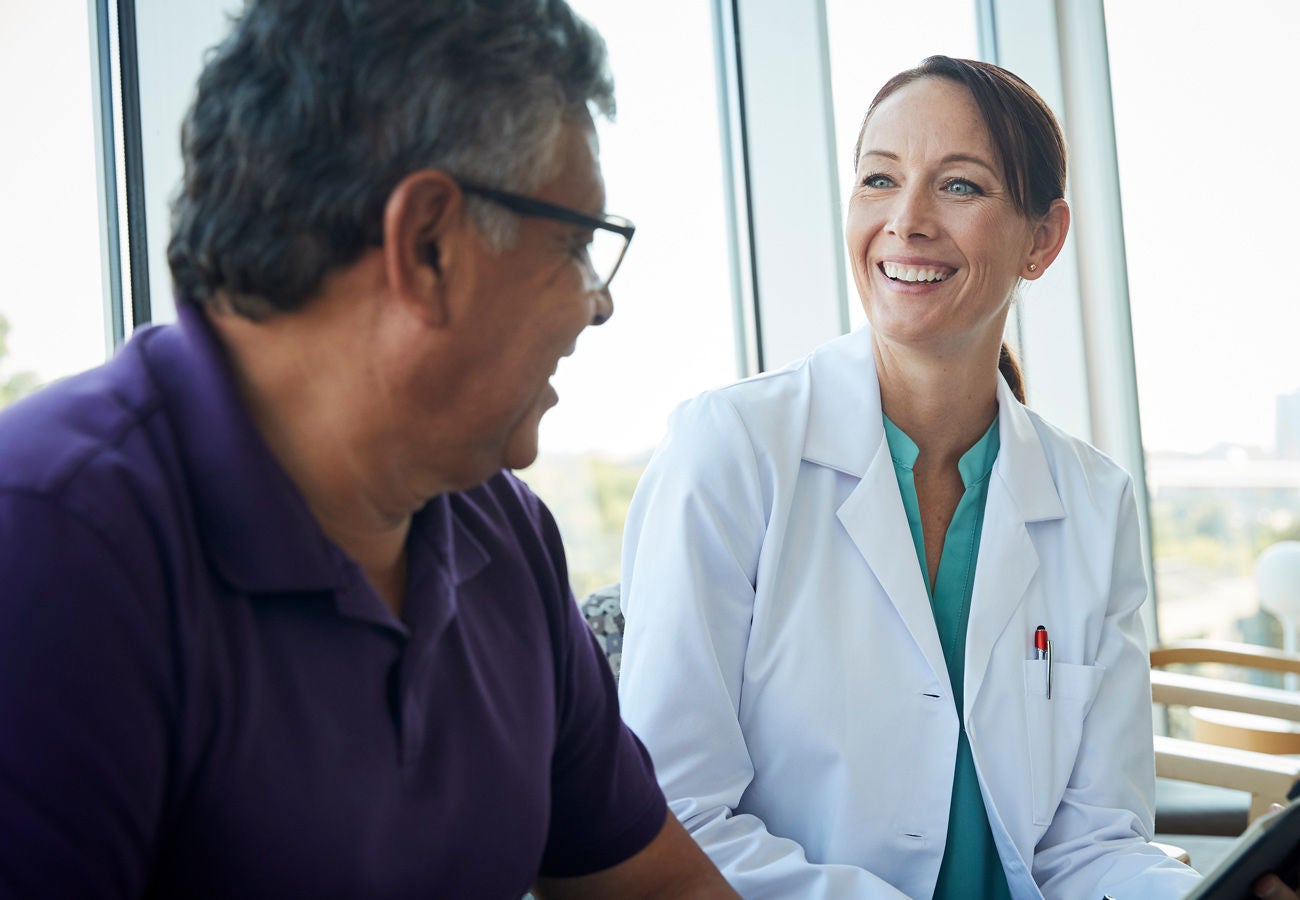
(1206, 156)
(51, 306)
(672, 333)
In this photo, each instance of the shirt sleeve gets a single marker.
(84, 681)
(605, 803)
(690, 560)
(1099, 834)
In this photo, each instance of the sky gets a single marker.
(1206, 146)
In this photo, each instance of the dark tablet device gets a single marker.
(1270, 844)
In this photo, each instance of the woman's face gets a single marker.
(935, 241)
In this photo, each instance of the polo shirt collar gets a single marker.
(256, 528)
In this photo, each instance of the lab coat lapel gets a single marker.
(846, 433)
(1007, 563)
(1021, 491)
(874, 517)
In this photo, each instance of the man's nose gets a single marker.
(604, 306)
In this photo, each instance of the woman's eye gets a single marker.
(877, 181)
(961, 187)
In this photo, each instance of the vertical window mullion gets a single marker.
(737, 191)
(133, 159)
(794, 202)
(106, 170)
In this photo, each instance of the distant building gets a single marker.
(1288, 426)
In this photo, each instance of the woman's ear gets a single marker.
(423, 231)
(1048, 239)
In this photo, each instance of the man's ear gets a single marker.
(423, 236)
(1049, 238)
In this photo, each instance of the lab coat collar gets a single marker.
(846, 432)
(845, 429)
(1022, 463)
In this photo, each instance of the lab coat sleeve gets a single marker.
(1098, 840)
(692, 544)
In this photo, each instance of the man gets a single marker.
(274, 620)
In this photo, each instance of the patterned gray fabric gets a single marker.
(600, 609)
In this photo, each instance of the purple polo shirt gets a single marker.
(201, 696)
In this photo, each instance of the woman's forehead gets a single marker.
(932, 117)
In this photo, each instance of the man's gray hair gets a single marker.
(311, 111)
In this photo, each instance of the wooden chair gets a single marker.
(1242, 754)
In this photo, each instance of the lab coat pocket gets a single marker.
(1055, 728)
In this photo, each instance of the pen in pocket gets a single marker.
(1043, 650)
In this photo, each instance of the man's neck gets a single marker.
(301, 378)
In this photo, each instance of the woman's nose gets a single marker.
(913, 214)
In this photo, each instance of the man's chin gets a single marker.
(522, 448)
(520, 459)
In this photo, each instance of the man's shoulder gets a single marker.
(516, 532)
(96, 447)
(86, 423)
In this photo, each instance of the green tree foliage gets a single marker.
(612, 485)
(589, 495)
(13, 385)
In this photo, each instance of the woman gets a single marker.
(834, 573)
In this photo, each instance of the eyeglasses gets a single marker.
(610, 235)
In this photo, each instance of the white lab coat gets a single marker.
(782, 665)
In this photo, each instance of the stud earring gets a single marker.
(1033, 267)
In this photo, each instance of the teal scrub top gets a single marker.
(971, 866)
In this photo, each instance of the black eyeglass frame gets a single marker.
(531, 206)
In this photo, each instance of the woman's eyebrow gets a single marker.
(970, 158)
(950, 158)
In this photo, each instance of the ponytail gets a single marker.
(1009, 366)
